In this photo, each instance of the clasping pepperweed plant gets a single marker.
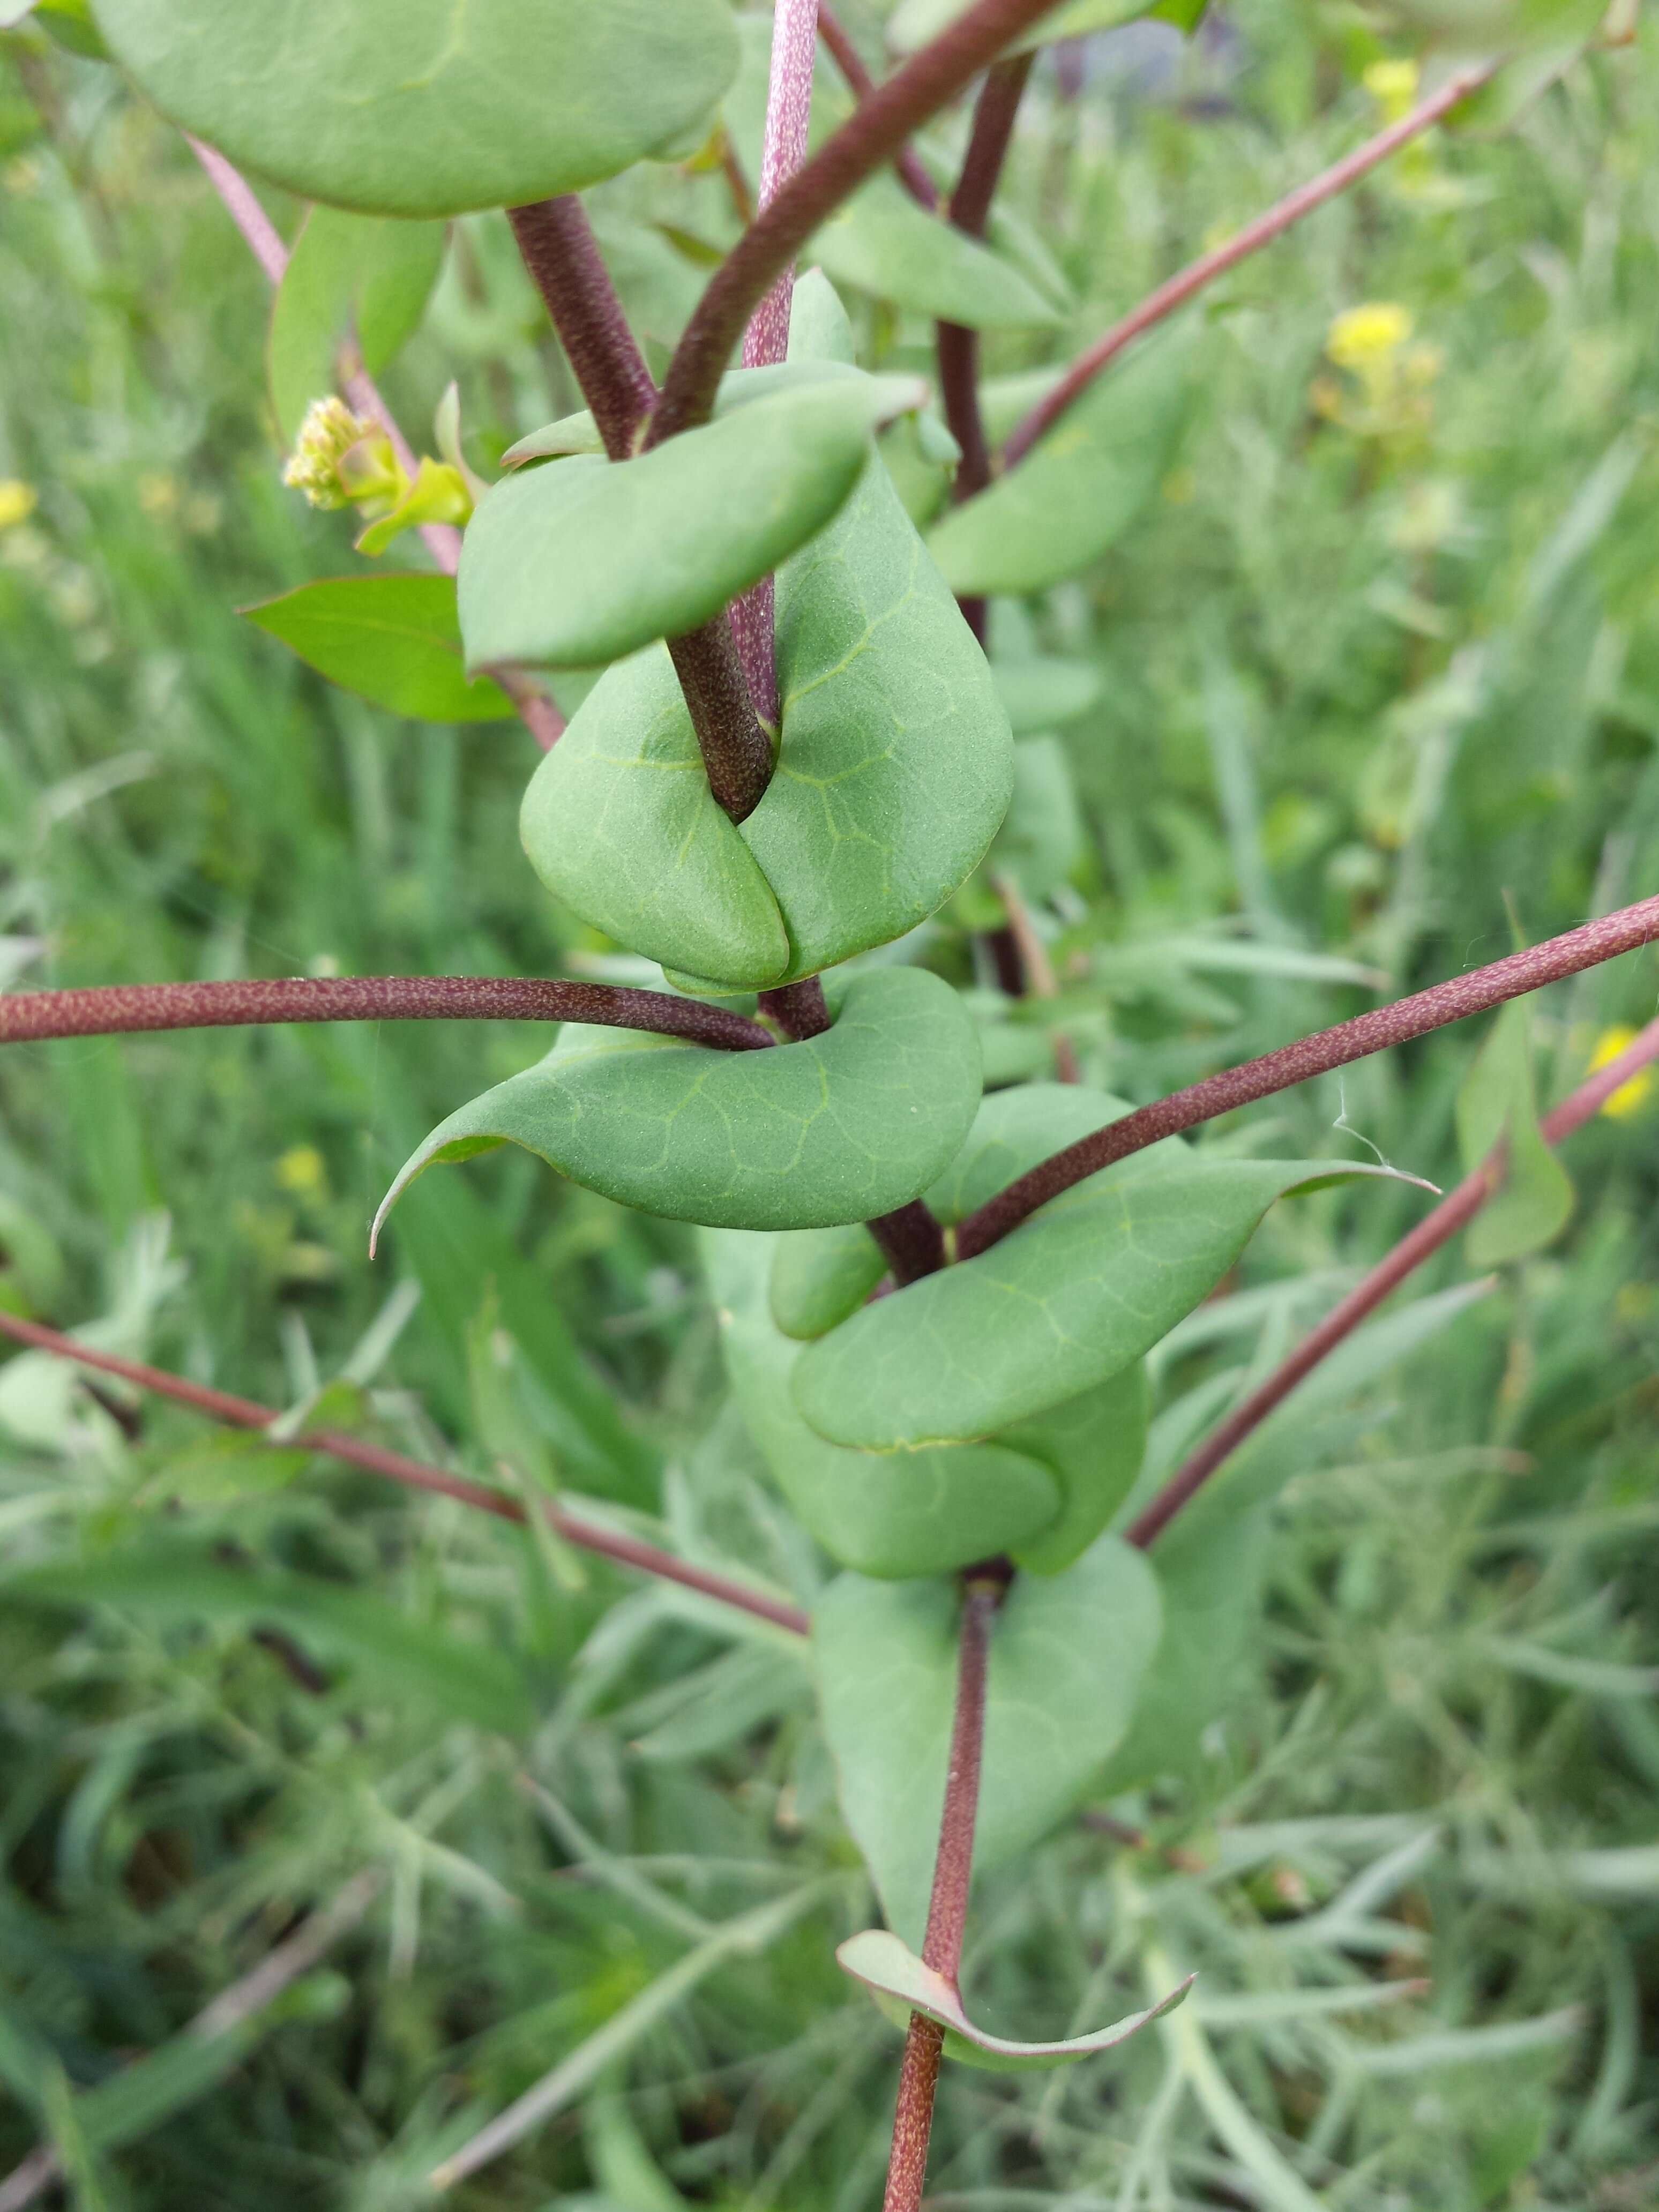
(936, 1300)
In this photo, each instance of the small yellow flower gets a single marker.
(17, 501)
(158, 494)
(1630, 1097)
(302, 1170)
(1361, 336)
(1393, 85)
(326, 436)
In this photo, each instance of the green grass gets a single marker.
(1361, 691)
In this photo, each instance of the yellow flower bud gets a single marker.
(1630, 1097)
(1393, 85)
(17, 501)
(1361, 336)
(327, 434)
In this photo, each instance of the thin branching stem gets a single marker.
(947, 1910)
(537, 712)
(412, 1473)
(1459, 1206)
(1278, 219)
(120, 1009)
(1454, 1001)
(867, 142)
(766, 341)
(849, 60)
(958, 346)
(557, 244)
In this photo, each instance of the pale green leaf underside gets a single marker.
(581, 563)
(1071, 1296)
(1045, 692)
(1080, 486)
(886, 700)
(901, 1984)
(1065, 1666)
(892, 1515)
(880, 241)
(843, 1127)
(393, 639)
(350, 278)
(426, 108)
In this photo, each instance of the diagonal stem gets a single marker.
(1460, 1206)
(869, 138)
(958, 346)
(847, 59)
(412, 1473)
(120, 1009)
(1278, 219)
(537, 712)
(559, 250)
(1454, 1001)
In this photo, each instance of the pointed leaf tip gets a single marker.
(891, 1971)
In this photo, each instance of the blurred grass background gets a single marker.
(1382, 684)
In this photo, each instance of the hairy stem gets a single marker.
(865, 143)
(1278, 219)
(412, 1473)
(563, 256)
(1460, 1206)
(947, 1909)
(116, 1008)
(1511, 978)
(958, 346)
(537, 712)
(788, 110)
(847, 59)
(797, 1009)
(912, 1240)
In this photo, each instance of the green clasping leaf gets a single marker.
(393, 639)
(1071, 1296)
(880, 241)
(1092, 1445)
(421, 107)
(819, 1276)
(843, 1127)
(1080, 486)
(581, 563)
(901, 1984)
(362, 280)
(916, 21)
(886, 696)
(894, 1515)
(1067, 1656)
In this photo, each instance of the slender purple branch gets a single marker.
(869, 139)
(118, 1009)
(563, 256)
(911, 1240)
(1454, 1001)
(849, 60)
(537, 711)
(947, 1910)
(1459, 1205)
(958, 346)
(1278, 219)
(412, 1473)
(788, 111)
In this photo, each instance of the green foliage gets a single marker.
(576, 565)
(360, 283)
(901, 1984)
(1083, 484)
(1070, 1298)
(845, 1127)
(1497, 1105)
(404, 107)
(1066, 1661)
(881, 242)
(396, 640)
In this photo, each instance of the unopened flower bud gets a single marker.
(327, 434)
